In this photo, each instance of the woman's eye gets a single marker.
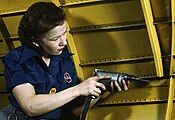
(58, 37)
(55, 39)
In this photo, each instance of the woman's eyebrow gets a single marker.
(58, 36)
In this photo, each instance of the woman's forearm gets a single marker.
(35, 105)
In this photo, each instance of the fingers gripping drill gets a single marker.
(115, 76)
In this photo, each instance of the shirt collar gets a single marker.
(28, 53)
(65, 53)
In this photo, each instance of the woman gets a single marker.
(40, 73)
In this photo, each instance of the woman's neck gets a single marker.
(46, 60)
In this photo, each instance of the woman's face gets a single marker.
(54, 41)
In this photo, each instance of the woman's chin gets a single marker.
(58, 53)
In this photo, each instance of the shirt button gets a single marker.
(50, 75)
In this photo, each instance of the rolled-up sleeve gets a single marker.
(13, 71)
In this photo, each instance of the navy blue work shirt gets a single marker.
(24, 65)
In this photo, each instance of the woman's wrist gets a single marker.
(76, 91)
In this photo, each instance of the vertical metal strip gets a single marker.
(173, 36)
(5, 35)
(169, 112)
(72, 48)
(170, 100)
(56, 2)
(147, 11)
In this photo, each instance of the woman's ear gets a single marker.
(36, 44)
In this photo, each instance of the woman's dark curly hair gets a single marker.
(39, 18)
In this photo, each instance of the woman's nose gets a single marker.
(63, 41)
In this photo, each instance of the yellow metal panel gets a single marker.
(136, 95)
(4, 34)
(4, 100)
(12, 24)
(100, 44)
(173, 111)
(161, 8)
(170, 108)
(2, 84)
(16, 43)
(56, 2)
(162, 11)
(107, 13)
(141, 69)
(12, 6)
(172, 68)
(3, 49)
(162, 21)
(112, 44)
(72, 2)
(129, 112)
(153, 36)
(1, 66)
(170, 100)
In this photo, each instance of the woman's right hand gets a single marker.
(91, 86)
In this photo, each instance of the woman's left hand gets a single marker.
(116, 87)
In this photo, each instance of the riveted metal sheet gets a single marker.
(112, 44)
(3, 49)
(164, 32)
(123, 50)
(1, 67)
(16, 43)
(4, 100)
(170, 105)
(73, 2)
(12, 24)
(162, 10)
(3, 83)
(173, 111)
(4, 34)
(130, 112)
(141, 69)
(153, 37)
(16, 5)
(139, 93)
(172, 68)
(103, 13)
